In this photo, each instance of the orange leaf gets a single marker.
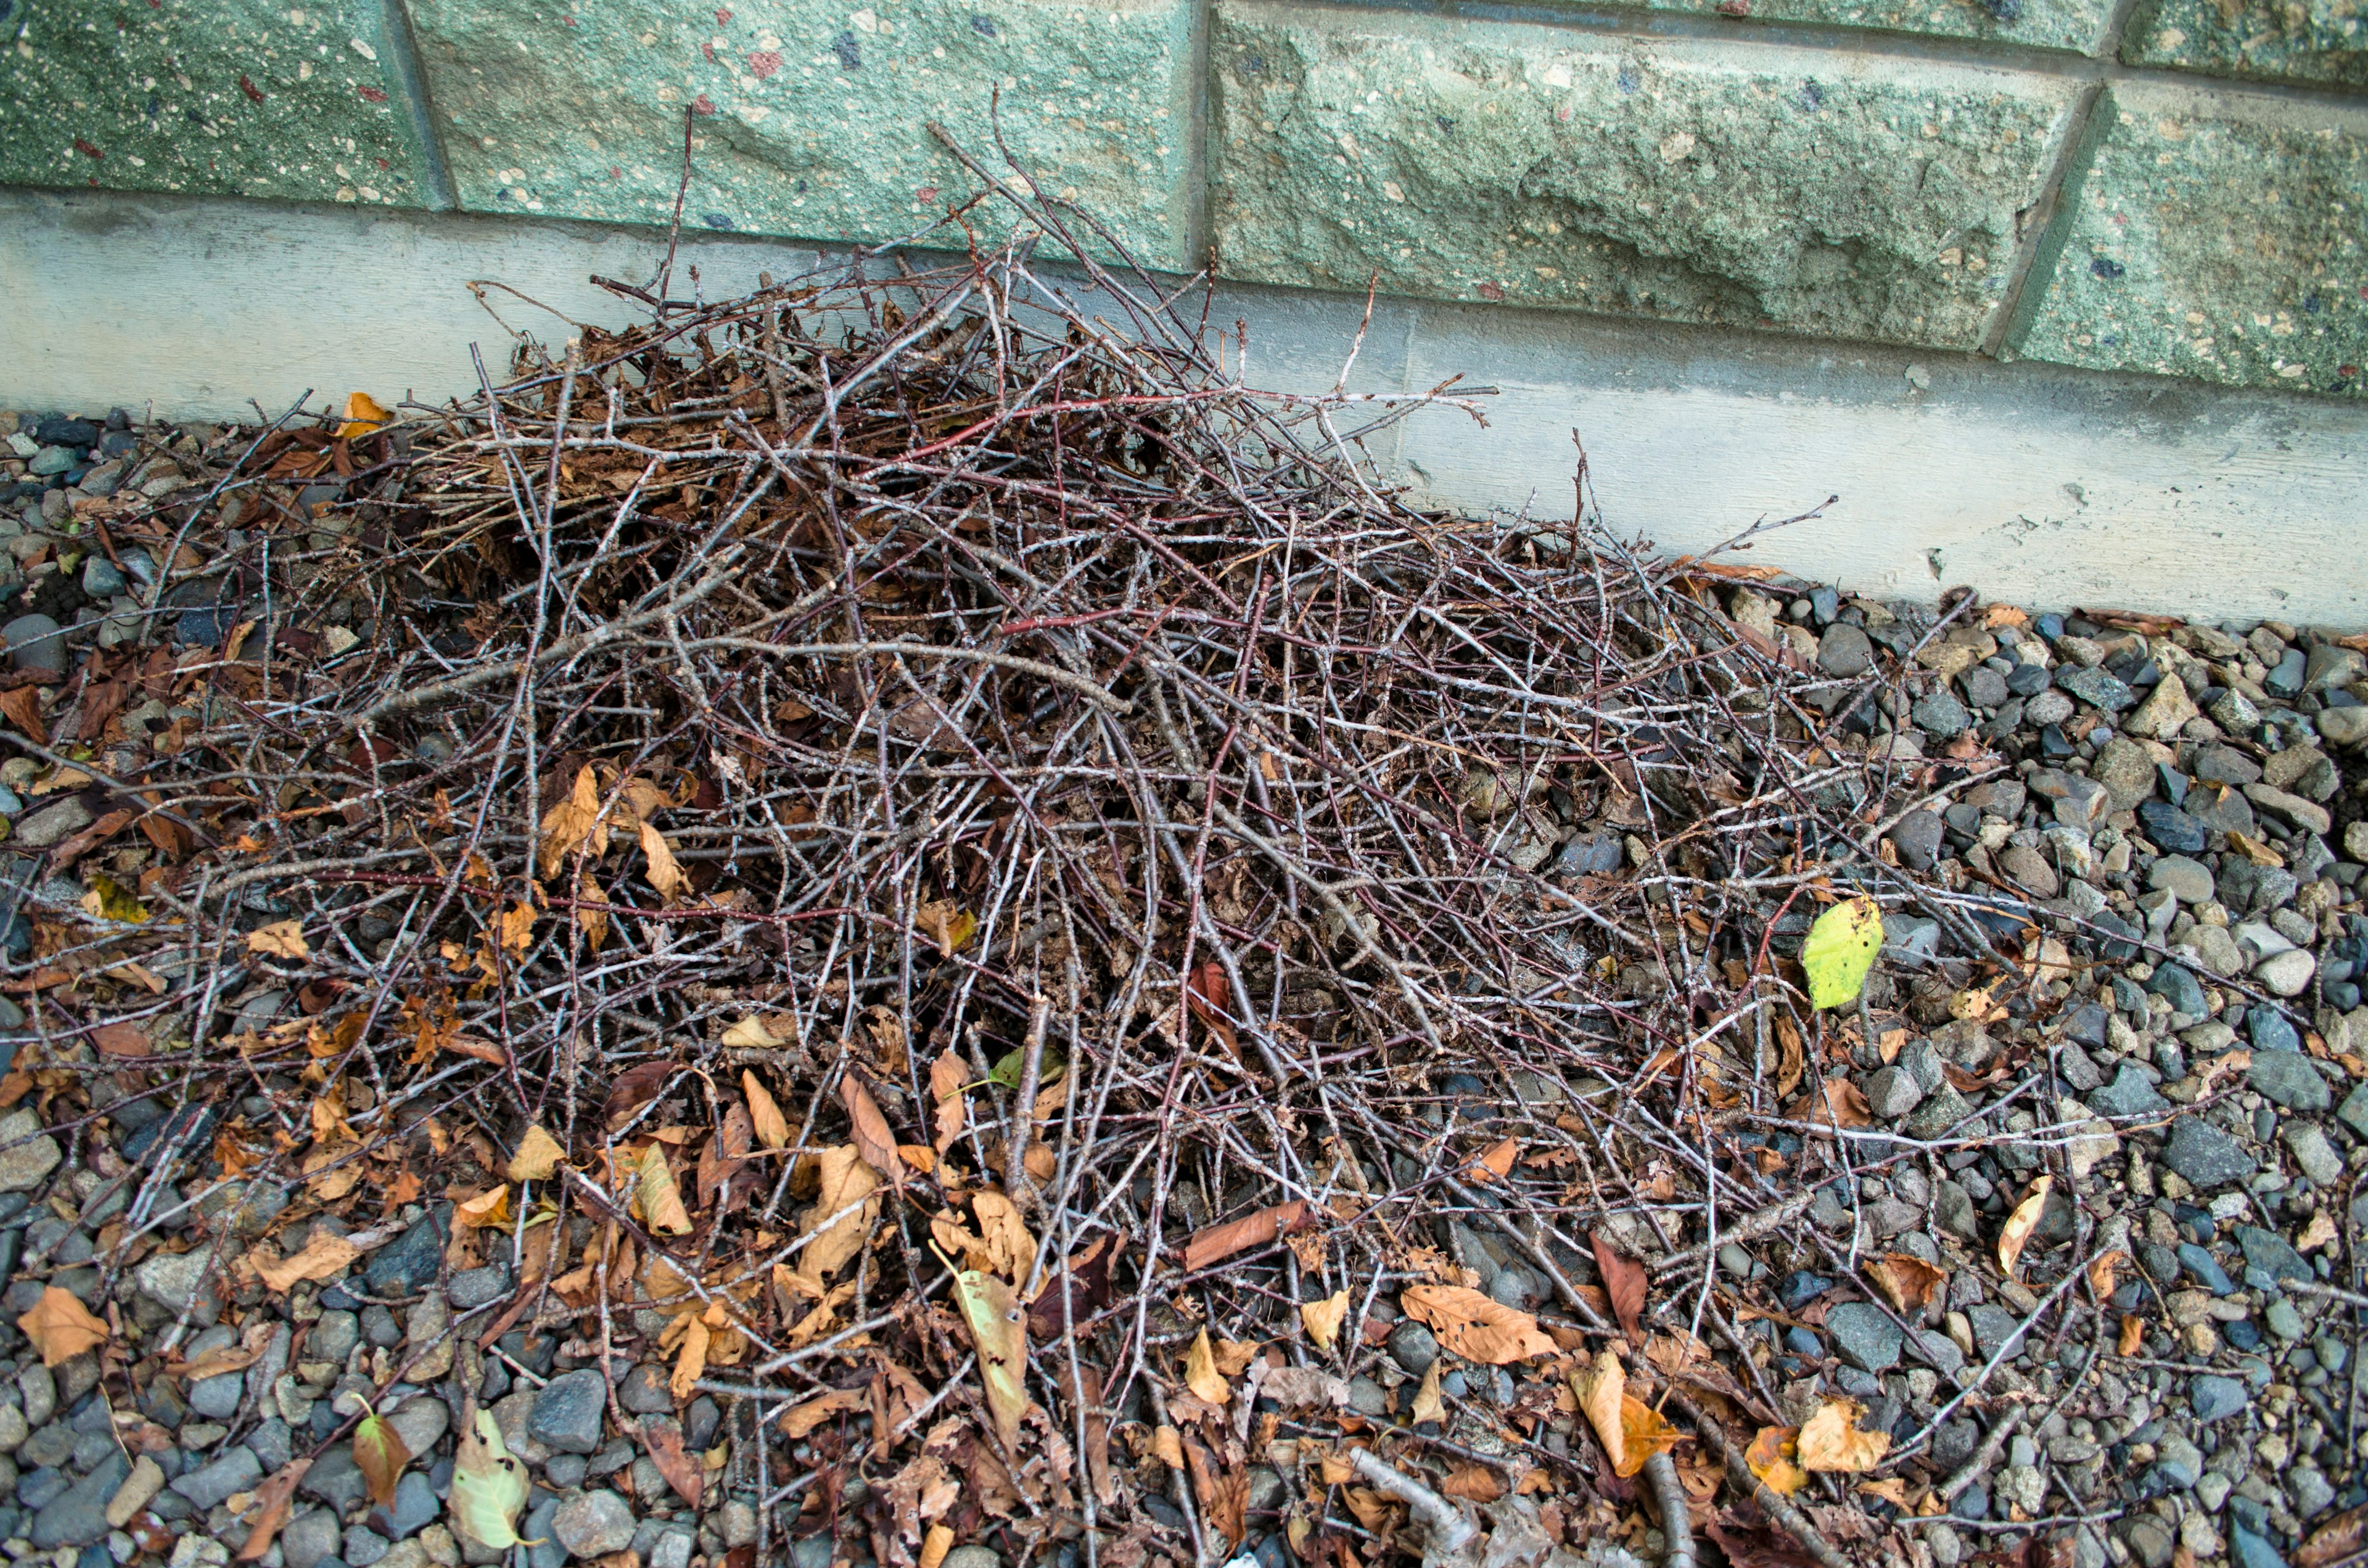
(60, 1327)
(1476, 1481)
(274, 1501)
(1908, 1281)
(1496, 1164)
(1235, 1236)
(1846, 1105)
(947, 1077)
(874, 1139)
(1772, 1457)
(1474, 1326)
(1830, 1440)
(2102, 1270)
(2021, 1223)
(681, 1472)
(2133, 1335)
(324, 1255)
(765, 1112)
(363, 415)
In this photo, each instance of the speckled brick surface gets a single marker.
(2076, 24)
(2216, 238)
(2319, 41)
(211, 97)
(1733, 185)
(811, 120)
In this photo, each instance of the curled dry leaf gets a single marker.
(280, 939)
(683, 1472)
(947, 1078)
(324, 1255)
(1630, 1430)
(1474, 1326)
(844, 1182)
(751, 1033)
(658, 1197)
(1907, 1281)
(275, 1500)
(2021, 1223)
(1200, 1374)
(764, 1112)
(538, 1155)
(2133, 1338)
(1495, 1164)
(489, 1211)
(60, 1327)
(1773, 1457)
(1830, 1440)
(1323, 1319)
(1258, 1229)
(1429, 1405)
(666, 877)
(935, 1545)
(873, 1138)
(1624, 1281)
(2102, 1270)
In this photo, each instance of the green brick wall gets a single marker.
(2172, 187)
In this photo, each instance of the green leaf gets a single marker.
(1048, 1070)
(1841, 950)
(990, 1308)
(380, 1455)
(488, 1488)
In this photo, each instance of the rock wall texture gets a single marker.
(2167, 187)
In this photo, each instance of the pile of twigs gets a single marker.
(944, 715)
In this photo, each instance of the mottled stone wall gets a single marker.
(2168, 187)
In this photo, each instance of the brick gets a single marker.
(2078, 25)
(2320, 41)
(1738, 185)
(811, 120)
(2212, 236)
(222, 97)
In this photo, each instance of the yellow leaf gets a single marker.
(2133, 1335)
(751, 1033)
(363, 415)
(1772, 1457)
(324, 1255)
(1474, 1326)
(998, 1329)
(111, 900)
(1840, 950)
(489, 1211)
(518, 927)
(60, 1327)
(690, 1358)
(1630, 1430)
(845, 1180)
(659, 1200)
(2021, 1223)
(281, 939)
(773, 1128)
(935, 1545)
(946, 924)
(1830, 1440)
(575, 822)
(663, 874)
(538, 1155)
(1428, 1404)
(1200, 1374)
(1323, 1319)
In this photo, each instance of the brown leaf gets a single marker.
(690, 1355)
(575, 822)
(1624, 1281)
(634, 1088)
(1200, 1374)
(1224, 1493)
(1907, 1281)
(2133, 1338)
(1219, 1242)
(873, 1138)
(1630, 1430)
(2021, 1223)
(1792, 1061)
(23, 708)
(121, 1039)
(664, 875)
(379, 1454)
(1474, 1326)
(2340, 1537)
(1080, 1288)
(60, 1327)
(807, 1414)
(1428, 1403)
(1846, 1105)
(1830, 1440)
(538, 1155)
(2102, 1270)
(844, 1180)
(324, 1255)
(682, 1473)
(1476, 1482)
(274, 1501)
(1496, 1164)
(947, 1078)
(764, 1112)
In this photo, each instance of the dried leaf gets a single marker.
(1323, 1319)
(998, 1331)
(275, 1500)
(665, 876)
(23, 708)
(1296, 1388)
(691, 1354)
(658, 1197)
(489, 1211)
(947, 1078)
(2318, 1233)
(2102, 1270)
(1011, 1250)
(2133, 1338)
(1224, 1493)
(124, 1040)
(280, 939)
(845, 1181)
(807, 1414)
(1840, 948)
(1167, 1447)
(1630, 1430)
(1830, 1440)
(1772, 1458)
(363, 415)
(1907, 1281)
(873, 1138)
(573, 824)
(1475, 1483)
(2339, 1538)
(751, 1033)
(1793, 1062)
(1845, 1104)
(2021, 1223)
(946, 924)
(60, 1327)
(538, 1155)
(1496, 1164)
(935, 1545)
(1200, 1374)
(682, 1471)
(324, 1255)
(1429, 1405)
(1624, 1281)
(1474, 1326)
(1220, 1242)
(764, 1113)
(488, 1488)
(380, 1455)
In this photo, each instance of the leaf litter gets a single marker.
(989, 895)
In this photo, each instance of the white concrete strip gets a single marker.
(2052, 488)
